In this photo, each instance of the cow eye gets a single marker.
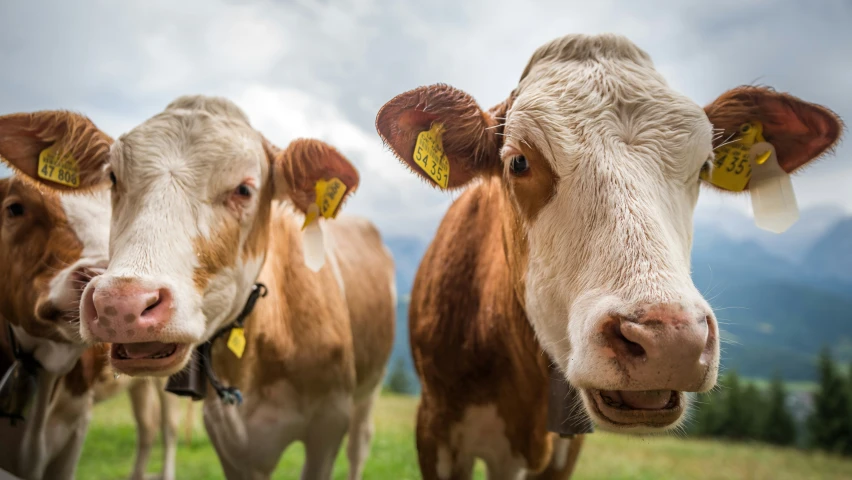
(243, 190)
(112, 178)
(14, 210)
(518, 165)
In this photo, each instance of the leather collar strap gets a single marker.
(189, 382)
(565, 414)
(18, 384)
(25, 358)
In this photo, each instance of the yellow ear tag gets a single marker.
(237, 341)
(329, 194)
(731, 168)
(63, 170)
(430, 157)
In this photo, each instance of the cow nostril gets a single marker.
(160, 300)
(152, 306)
(621, 344)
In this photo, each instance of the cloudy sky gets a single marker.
(324, 68)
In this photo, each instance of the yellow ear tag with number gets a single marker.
(329, 194)
(63, 170)
(237, 341)
(731, 168)
(430, 157)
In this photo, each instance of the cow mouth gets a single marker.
(627, 409)
(150, 358)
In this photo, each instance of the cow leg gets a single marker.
(360, 435)
(565, 454)
(247, 448)
(34, 457)
(437, 460)
(505, 471)
(64, 464)
(322, 442)
(142, 400)
(168, 424)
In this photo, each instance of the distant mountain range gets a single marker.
(779, 298)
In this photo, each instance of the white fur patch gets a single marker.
(560, 452)
(313, 246)
(482, 433)
(444, 468)
(89, 216)
(57, 358)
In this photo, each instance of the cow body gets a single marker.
(317, 346)
(485, 379)
(50, 248)
(570, 245)
(203, 207)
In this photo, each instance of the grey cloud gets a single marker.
(120, 62)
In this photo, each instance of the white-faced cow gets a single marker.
(573, 236)
(203, 208)
(50, 247)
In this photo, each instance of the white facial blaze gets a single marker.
(626, 152)
(88, 216)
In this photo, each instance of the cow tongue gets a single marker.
(646, 400)
(146, 349)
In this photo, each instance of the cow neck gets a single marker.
(562, 416)
(192, 380)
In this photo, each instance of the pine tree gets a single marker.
(708, 414)
(736, 421)
(779, 427)
(399, 380)
(831, 420)
(753, 406)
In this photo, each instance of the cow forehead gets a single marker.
(192, 147)
(579, 111)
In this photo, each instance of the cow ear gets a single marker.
(61, 150)
(799, 131)
(465, 135)
(309, 171)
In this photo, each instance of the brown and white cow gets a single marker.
(50, 247)
(203, 207)
(574, 233)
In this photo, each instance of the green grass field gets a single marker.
(108, 453)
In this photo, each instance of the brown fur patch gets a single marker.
(368, 275)
(799, 131)
(215, 253)
(88, 370)
(469, 139)
(257, 240)
(470, 338)
(305, 332)
(23, 136)
(534, 189)
(34, 247)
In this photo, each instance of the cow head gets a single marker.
(50, 248)
(193, 191)
(599, 162)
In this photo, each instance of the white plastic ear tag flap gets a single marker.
(772, 198)
(312, 241)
